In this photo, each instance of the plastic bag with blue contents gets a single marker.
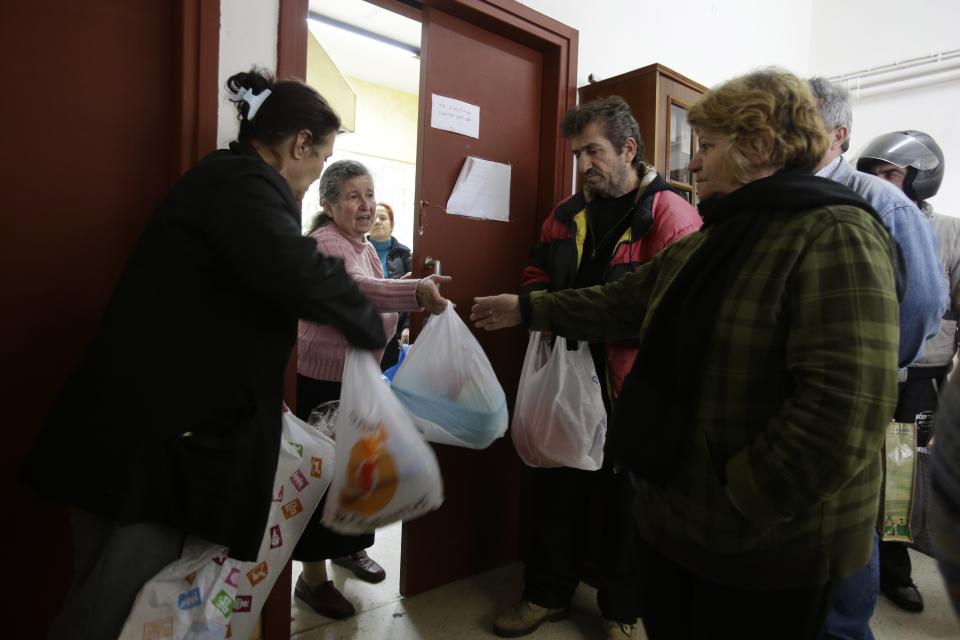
(448, 385)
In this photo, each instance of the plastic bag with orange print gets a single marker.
(384, 471)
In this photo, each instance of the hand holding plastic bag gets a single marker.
(447, 383)
(384, 470)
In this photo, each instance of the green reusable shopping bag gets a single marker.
(900, 470)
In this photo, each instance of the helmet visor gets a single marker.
(901, 150)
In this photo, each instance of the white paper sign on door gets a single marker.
(454, 115)
(482, 190)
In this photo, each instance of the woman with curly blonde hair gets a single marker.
(765, 376)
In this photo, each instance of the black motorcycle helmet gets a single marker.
(914, 151)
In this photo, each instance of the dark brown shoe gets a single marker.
(325, 599)
(905, 596)
(361, 564)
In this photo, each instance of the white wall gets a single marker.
(706, 40)
(850, 35)
(248, 37)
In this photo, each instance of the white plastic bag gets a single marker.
(447, 383)
(304, 471)
(233, 592)
(384, 470)
(559, 419)
(191, 598)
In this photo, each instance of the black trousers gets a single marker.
(916, 402)
(679, 605)
(317, 541)
(562, 501)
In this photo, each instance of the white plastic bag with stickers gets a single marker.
(304, 471)
(448, 384)
(559, 419)
(180, 602)
(191, 598)
(384, 470)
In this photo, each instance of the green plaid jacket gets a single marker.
(798, 385)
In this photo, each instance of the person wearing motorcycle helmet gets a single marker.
(921, 307)
(910, 160)
(913, 161)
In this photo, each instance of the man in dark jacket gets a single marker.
(625, 215)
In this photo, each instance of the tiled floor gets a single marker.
(464, 610)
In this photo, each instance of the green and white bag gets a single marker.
(900, 471)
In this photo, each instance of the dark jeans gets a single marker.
(111, 562)
(855, 601)
(318, 542)
(679, 605)
(562, 500)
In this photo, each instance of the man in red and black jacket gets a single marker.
(625, 215)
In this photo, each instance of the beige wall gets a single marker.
(323, 75)
(386, 123)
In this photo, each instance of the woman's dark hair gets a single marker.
(291, 107)
(331, 182)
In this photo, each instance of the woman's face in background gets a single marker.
(382, 229)
(353, 212)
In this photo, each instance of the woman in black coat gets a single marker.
(171, 425)
(397, 262)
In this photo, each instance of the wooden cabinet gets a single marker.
(660, 99)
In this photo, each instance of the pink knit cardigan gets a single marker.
(321, 348)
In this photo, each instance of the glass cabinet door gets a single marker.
(680, 150)
(681, 144)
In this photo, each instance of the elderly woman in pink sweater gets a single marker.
(349, 205)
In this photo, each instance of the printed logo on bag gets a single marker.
(231, 578)
(189, 600)
(278, 496)
(256, 575)
(292, 508)
(316, 467)
(244, 604)
(594, 379)
(219, 559)
(223, 603)
(191, 577)
(297, 447)
(158, 629)
(371, 474)
(276, 537)
(299, 480)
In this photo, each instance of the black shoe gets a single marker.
(907, 596)
(363, 566)
(325, 599)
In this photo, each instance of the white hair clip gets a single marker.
(253, 100)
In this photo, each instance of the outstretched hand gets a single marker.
(496, 312)
(428, 293)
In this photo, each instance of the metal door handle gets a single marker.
(432, 263)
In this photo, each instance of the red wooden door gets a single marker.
(99, 100)
(521, 83)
